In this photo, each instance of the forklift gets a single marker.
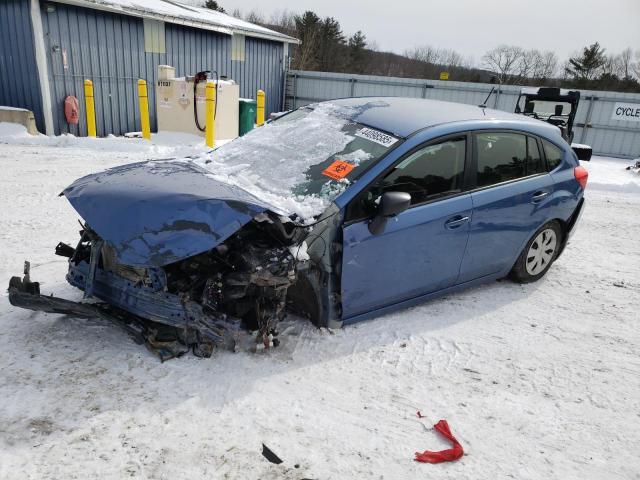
(556, 106)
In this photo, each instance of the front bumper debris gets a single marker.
(166, 341)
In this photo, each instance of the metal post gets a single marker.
(260, 108)
(210, 97)
(295, 90)
(587, 120)
(91, 110)
(144, 109)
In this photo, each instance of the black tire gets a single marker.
(538, 256)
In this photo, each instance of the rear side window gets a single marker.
(534, 159)
(501, 157)
(553, 154)
(431, 172)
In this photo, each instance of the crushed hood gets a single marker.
(159, 212)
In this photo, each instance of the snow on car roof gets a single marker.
(175, 12)
(404, 116)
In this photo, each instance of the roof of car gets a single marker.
(404, 116)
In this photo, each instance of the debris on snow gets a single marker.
(269, 455)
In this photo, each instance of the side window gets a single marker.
(553, 154)
(431, 172)
(534, 159)
(501, 157)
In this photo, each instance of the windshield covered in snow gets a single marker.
(302, 161)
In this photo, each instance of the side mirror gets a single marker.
(583, 152)
(391, 204)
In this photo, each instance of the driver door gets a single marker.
(421, 249)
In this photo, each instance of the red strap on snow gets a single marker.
(449, 455)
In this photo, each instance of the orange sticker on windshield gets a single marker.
(338, 170)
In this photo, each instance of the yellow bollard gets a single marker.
(143, 98)
(210, 97)
(91, 108)
(260, 108)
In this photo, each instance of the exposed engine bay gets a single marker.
(198, 303)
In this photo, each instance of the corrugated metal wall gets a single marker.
(19, 84)
(109, 49)
(606, 136)
(262, 68)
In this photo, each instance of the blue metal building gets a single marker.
(48, 48)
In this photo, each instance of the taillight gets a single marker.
(581, 175)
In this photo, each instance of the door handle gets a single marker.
(539, 196)
(456, 222)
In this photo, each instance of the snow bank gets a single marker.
(161, 144)
(610, 175)
(13, 109)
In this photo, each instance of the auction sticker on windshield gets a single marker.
(338, 170)
(376, 136)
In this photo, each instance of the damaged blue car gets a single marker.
(337, 212)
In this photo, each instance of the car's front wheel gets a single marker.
(538, 254)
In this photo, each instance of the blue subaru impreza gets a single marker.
(337, 211)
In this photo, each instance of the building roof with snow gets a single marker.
(182, 14)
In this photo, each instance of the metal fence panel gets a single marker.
(594, 125)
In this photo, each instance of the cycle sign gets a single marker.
(629, 112)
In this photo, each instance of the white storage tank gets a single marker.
(175, 100)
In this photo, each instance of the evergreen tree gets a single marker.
(587, 66)
(213, 5)
(307, 31)
(330, 45)
(357, 52)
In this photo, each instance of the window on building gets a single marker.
(237, 47)
(154, 36)
(553, 154)
(501, 157)
(431, 172)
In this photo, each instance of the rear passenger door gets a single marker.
(511, 199)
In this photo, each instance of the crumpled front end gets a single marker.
(178, 259)
(200, 303)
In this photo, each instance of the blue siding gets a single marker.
(19, 84)
(261, 69)
(108, 49)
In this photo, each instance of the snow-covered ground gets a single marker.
(537, 381)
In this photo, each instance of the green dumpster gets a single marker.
(247, 109)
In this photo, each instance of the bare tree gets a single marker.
(503, 61)
(549, 66)
(636, 66)
(284, 19)
(450, 58)
(626, 63)
(527, 65)
(612, 66)
(424, 53)
(436, 56)
(255, 16)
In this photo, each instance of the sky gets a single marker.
(472, 26)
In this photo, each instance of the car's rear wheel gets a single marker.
(538, 255)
